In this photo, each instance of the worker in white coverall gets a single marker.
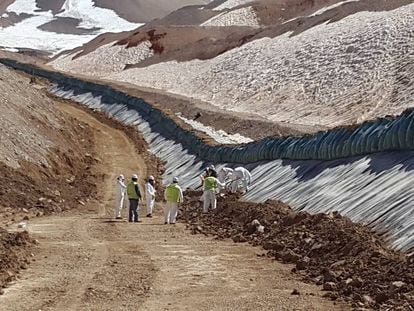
(224, 174)
(240, 175)
(150, 195)
(173, 195)
(210, 187)
(120, 196)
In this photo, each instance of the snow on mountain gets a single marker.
(336, 73)
(219, 136)
(27, 34)
(57, 25)
(230, 4)
(105, 60)
(240, 17)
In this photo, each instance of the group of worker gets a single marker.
(212, 182)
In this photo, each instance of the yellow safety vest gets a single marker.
(132, 194)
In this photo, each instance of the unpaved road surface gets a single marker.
(87, 261)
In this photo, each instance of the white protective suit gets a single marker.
(150, 197)
(120, 195)
(224, 173)
(240, 175)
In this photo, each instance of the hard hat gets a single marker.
(175, 179)
(151, 178)
(121, 177)
(212, 167)
(135, 176)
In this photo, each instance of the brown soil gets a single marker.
(67, 25)
(351, 262)
(32, 191)
(50, 5)
(142, 11)
(4, 5)
(14, 254)
(12, 19)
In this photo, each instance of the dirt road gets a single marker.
(87, 261)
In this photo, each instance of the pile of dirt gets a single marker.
(68, 181)
(14, 254)
(347, 259)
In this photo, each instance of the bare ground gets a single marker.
(87, 261)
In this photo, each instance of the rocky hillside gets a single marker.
(325, 63)
(45, 157)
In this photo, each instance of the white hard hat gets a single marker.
(175, 179)
(212, 167)
(121, 177)
(151, 178)
(135, 176)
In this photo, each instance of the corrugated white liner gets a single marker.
(375, 190)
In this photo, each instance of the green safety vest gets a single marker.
(132, 194)
(172, 193)
(210, 183)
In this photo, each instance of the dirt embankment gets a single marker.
(32, 191)
(46, 166)
(14, 254)
(347, 259)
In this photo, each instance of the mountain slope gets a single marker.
(53, 26)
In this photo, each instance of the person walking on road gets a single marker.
(120, 196)
(210, 186)
(150, 195)
(173, 195)
(134, 195)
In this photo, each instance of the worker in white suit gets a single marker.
(240, 175)
(224, 174)
(150, 195)
(120, 196)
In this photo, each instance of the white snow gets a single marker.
(240, 17)
(230, 4)
(332, 7)
(11, 50)
(23, 6)
(338, 73)
(104, 60)
(219, 136)
(95, 17)
(26, 33)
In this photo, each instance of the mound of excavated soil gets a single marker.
(348, 260)
(14, 254)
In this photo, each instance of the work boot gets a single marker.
(119, 217)
(149, 215)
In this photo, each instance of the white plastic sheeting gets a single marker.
(375, 190)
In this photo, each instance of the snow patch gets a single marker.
(105, 60)
(26, 33)
(332, 7)
(241, 17)
(333, 74)
(230, 4)
(219, 136)
(23, 6)
(95, 17)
